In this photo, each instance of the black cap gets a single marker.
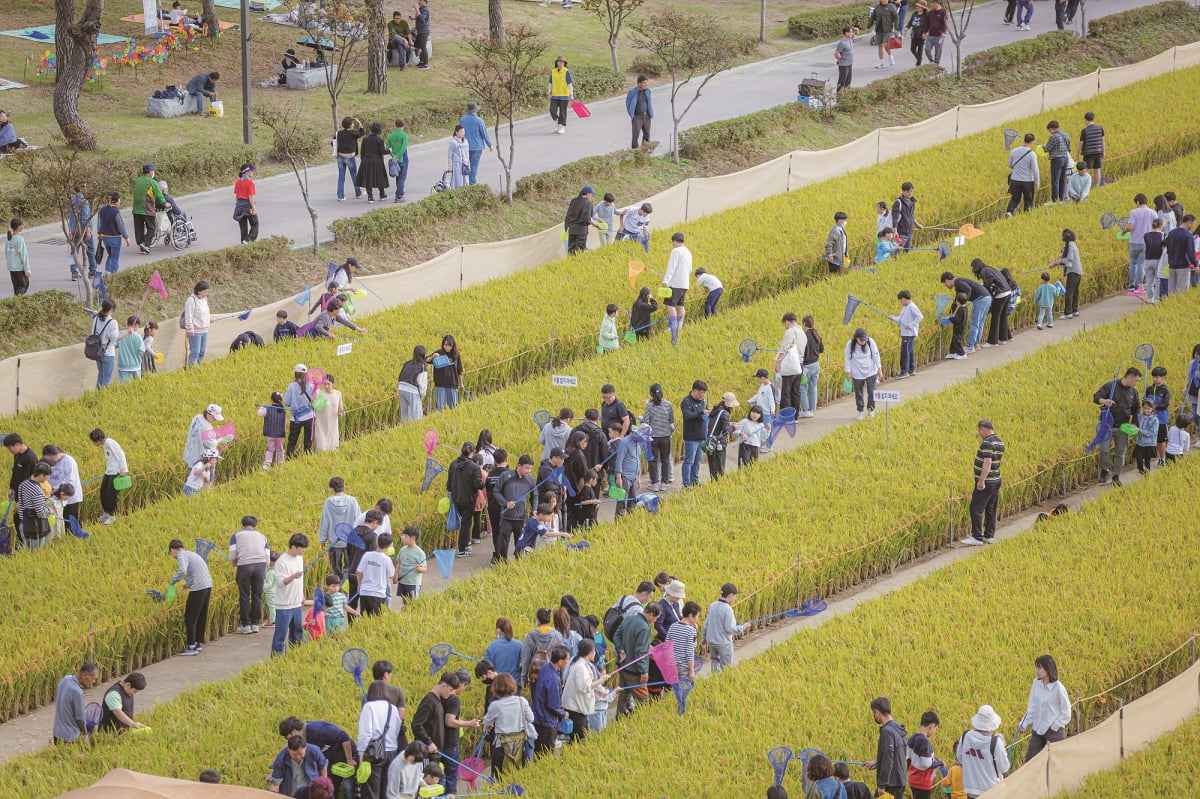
(729, 588)
(557, 452)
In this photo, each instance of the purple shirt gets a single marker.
(1140, 219)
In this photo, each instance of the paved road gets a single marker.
(740, 91)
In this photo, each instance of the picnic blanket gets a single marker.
(140, 19)
(280, 19)
(255, 5)
(45, 35)
(11, 84)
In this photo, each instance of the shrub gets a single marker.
(727, 134)
(19, 315)
(182, 272)
(1022, 53)
(596, 83)
(826, 23)
(307, 143)
(199, 163)
(382, 225)
(645, 65)
(578, 173)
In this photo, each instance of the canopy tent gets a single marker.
(122, 784)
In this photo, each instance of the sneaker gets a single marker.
(370, 201)
(341, 199)
(1064, 316)
(1161, 462)
(422, 66)
(561, 129)
(1131, 292)
(870, 414)
(806, 415)
(242, 630)
(972, 542)
(991, 539)
(880, 65)
(527, 551)
(902, 375)
(891, 61)
(969, 350)
(108, 518)
(987, 344)
(466, 553)
(145, 250)
(1140, 292)
(1050, 325)
(268, 624)
(253, 628)
(1103, 477)
(1116, 481)
(861, 415)
(189, 651)
(1039, 327)
(476, 540)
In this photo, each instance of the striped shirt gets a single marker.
(991, 447)
(32, 498)
(683, 636)
(1091, 140)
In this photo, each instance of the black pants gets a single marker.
(1020, 192)
(864, 393)
(72, 511)
(789, 394)
(1144, 456)
(956, 341)
(1058, 174)
(371, 605)
(921, 793)
(1060, 14)
(917, 48)
(195, 615)
(143, 229)
(576, 242)
(467, 517)
(983, 511)
(558, 110)
(20, 283)
(1071, 299)
(108, 495)
(421, 42)
(716, 464)
(1072, 7)
(1038, 742)
(248, 225)
(579, 723)
(641, 127)
(660, 467)
(1010, 10)
(546, 736)
(294, 430)
(374, 787)
(249, 579)
(746, 454)
(845, 74)
(510, 529)
(998, 325)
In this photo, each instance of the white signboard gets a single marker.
(345, 349)
(566, 381)
(887, 396)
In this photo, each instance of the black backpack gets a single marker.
(93, 345)
(615, 615)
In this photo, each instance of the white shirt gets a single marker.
(371, 721)
(1049, 707)
(860, 363)
(763, 398)
(288, 596)
(679, 268)
(377, 570)
(114, 458)
(67, 471)
(384, 527)
(404, 778)
(578, 695)
(909, 319)
(983, 764)
(709, 282)
(199, 472)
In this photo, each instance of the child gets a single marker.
(551, 498)
(586, 501)
(626, 466)
(59, 500)
(884, 220)
(411, 562)
(149, 365)
(841, 773)
(1146, 444)
(765, 396)
(886, 246)
(130, 348)
(274, 424)
(609, 341)
(753, 432)
(1151, 275)
(335, 605)
(537, 526)
(404, 774)
(1161, 396)
(431, 778)
(604, 213)
(713, 286)
(958, 318)
(1179, 440)
(201, 475)
(952, 783)
(1080, 184)
(284, 328)
(909, 319)
(269, 592)
(1044, 297)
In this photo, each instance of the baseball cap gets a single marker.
(729, 588)
(352, 261)
(557, 452)
(587, 190)
(730, 400)
(215, 412)
(148, 168)
(762, 373)
(212, 453)
(300, 369)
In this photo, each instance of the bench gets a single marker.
(166, 109)
(300, 78)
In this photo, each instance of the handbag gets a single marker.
(393, 168)
(895, 43)
(376, 748)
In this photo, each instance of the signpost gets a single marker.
(566, 381)
(886, 397)
(343, 350)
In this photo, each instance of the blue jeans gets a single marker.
(403, 176)
(352, 165)
(199, 102)
(89, 247)
(903, 14)
(808, 391)
(450, 769)
(289, 629)
(196, 345)
(979, 312)
(128, 376)
(1024, 11)
(475, 156)
(446, 398)
(710, 303)
(104, 370)
(113, 261)
(691, 463)
(908, 359)
(1137, 263)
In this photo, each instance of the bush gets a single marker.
(200, 163)
(183, 272)
(1021, 53)
(826, 23)
(384, 225)
(307, 143)
(730, 133)
(37, 311)
(1173, 13)
(583, 171)
(644, 65)
(596, 83)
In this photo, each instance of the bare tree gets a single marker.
(377, 67)
(495, 21)
(284, 123)
(75, 47)
(612, 15)
(498, 74)
(959, 21)
(339, 31)
(688, 48)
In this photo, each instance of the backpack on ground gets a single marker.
(616, 614)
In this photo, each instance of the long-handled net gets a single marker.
(92, 713)
(681, 690)
(943, 250)
(439, 656)
(204, 547)
(432, 470)
(810, 607)
(785, 421)
(1010, 136)
(779, 757)
(1107, 220)
(75, 528)
(852, 304)
(507, 790)
(354, 661)
(541, 418)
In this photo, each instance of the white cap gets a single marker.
(215, 412)
(212, 453)
(300, 369)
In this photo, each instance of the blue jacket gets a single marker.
(506, 657)
(477, 132)
(631, 101)
(281, 770)
(547, 697)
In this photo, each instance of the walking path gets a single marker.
(233, 653)
(752, 87)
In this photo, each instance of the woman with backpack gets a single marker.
(864, 368)
(811, 364)
(412, 385)
(103, 343)
(299, 397)
(196, 319)
(719, 428)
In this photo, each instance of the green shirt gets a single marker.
(408, 559)
(146, 188)
(398, 29)
(129, 352)
(16, 254)
(397, 143)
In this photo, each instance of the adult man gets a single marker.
(843, 55)
(452, 706)
(397, 144)
(296, 766)
(789, 361)
(375, 574)
(201, 86)
(69, 720)
(249, 552)
(193, 571)
(464, 481)
(987, 485)
(935, 33)
(578, 220)
(117, 705)
(613, 410)
(981, 303)
(147, 197)
(632, 642)
(24, 462)
(904, 215)
(331, 740)
(640, 109)
(720, 627)
(194, 446)
(548, 709)
(695, 429)
(1024, 14)
(1140, 219)
(420, 20)
(1181, 255)
(1024, 177)
(683, 635)
(79, 227)
(400, 41)
(677, 277)
(627, 605)
(340, 508)
(477, 138)
(1121, 398)
(891, 754)
(837, 246)
(429, 722)
(65, 472)
(1058, 150)
(1175, 206)
(513, 490)
(886, 21)
(289, 595)
(1091, 147)
(384, 506)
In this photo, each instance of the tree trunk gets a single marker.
(612, 47)
(495, 21)
(377, 68)
(762, 21)
(75, 46)
(209, 9)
